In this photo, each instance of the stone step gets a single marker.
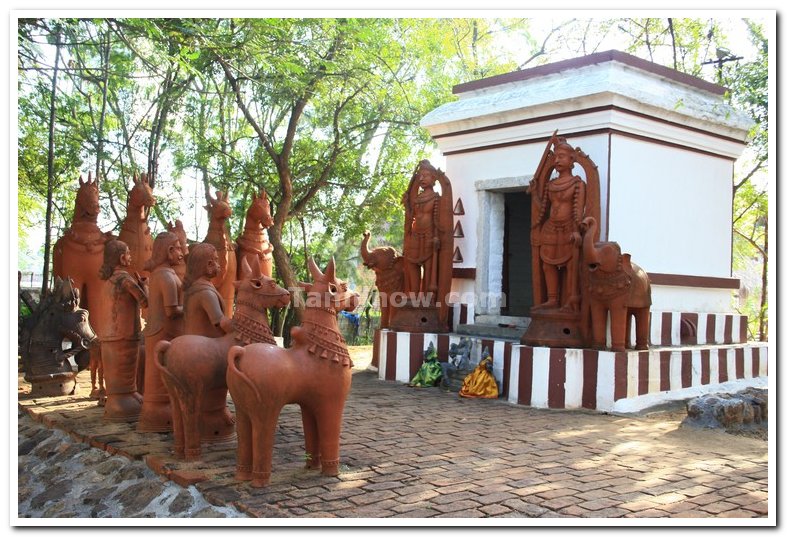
(494, 331)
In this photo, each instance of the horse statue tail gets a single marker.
(234, 353)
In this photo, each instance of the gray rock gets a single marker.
(739, 413)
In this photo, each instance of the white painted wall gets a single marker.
(671, 209)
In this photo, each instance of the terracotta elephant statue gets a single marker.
(617, 286)
(388, 267)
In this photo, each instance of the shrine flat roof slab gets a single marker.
(425, 453)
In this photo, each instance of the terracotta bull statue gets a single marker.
(193, 367)
(315, 373)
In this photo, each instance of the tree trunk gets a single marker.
(764, 289)
(50, 179)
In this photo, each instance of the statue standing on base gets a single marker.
(120, 343)
(428, 252)
(559, 204)
(164, 322)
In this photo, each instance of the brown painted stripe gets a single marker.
(710, 329)
(506, 368)
(390, 359)
(705, 366)
(376, 349)
(590, 132)
(723, 376)
(581, 112)
(556, 394)
(463, 314)
(688, 328)
(687, 280)
(727, 329)
(451, 317)
(442, 347)
(463, 273)
(525, 376)
(744, 329)
(589, 379)
(621, 375)
(585, 61)
(755, 362)
(739, 363)
(666, 328)
(644, 360)
(664, 360)
(685, 369)
(416, 353)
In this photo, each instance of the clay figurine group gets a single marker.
(205, 333)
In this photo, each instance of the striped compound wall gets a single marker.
(580, 378)
(667, 328)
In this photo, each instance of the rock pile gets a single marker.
(744, 412)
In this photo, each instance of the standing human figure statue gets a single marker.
(555, 235)
(428, 237)
(164, 322)
(204, 311)
(125, 294)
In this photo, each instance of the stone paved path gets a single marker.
(421, 452)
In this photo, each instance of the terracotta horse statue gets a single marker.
(219, 211)
(57, 317)
(78, 255)
(135, 231)
(253, 242)
(314, 373)
(194, 368)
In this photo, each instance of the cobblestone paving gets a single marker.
(406, 452)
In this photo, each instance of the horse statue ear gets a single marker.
(134, 178)
(81, 182)
(264, 195)
(90, 177)
(211, 200)
(245, 270)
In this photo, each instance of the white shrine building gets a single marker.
(665, 144)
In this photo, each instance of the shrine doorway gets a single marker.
(517, 284)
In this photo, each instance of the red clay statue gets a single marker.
(314, 373)
(218, 235)
(164, 323)
(120, 341)
(193, 366)
(254, 240)
(78, 255)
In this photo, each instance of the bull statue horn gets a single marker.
(314, 270)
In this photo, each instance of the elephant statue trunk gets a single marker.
(618, 287)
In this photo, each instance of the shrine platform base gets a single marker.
(561, 378)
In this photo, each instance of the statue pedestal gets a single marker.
(554, 328)
(417, 319)
(52, 385)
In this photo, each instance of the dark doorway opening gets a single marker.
(517, 256)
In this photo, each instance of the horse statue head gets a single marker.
(141, 196)
(86, 207)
